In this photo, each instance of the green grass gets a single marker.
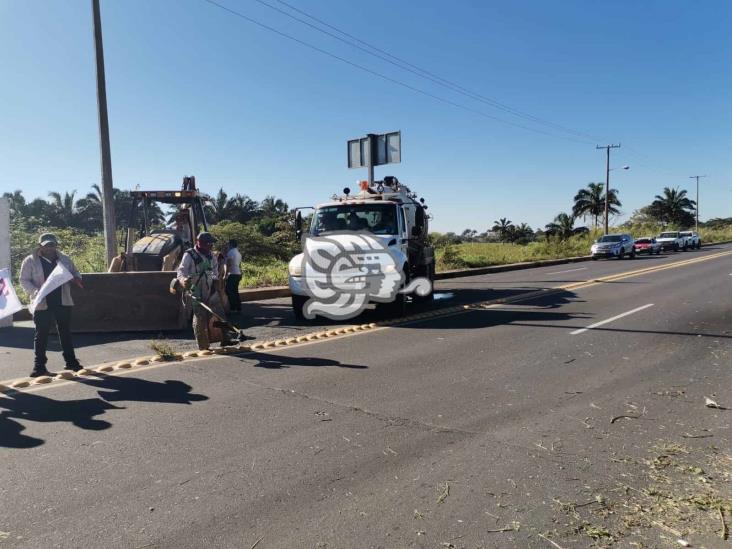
(272, 272)
(471, 255)
(88, 252)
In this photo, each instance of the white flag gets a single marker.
(58, 277)
(9, 302)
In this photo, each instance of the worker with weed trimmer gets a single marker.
(198, 275)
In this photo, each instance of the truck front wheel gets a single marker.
(298, 304)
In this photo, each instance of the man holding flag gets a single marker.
(45, 275)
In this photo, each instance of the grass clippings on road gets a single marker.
(678, 494)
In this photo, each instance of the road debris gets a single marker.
(709, 403)
(256, 542)
(444, 494)
(624, 416)
(724, 533)
(705, 435)
(550, 541)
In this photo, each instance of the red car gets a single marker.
(647, 245)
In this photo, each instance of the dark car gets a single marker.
(647, 245)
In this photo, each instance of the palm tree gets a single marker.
(673, 207)
(591, 201)
(523, 233)
(503, 227)
(562, 226)
(63, 209)
(272, 206)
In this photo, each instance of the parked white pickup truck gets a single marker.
(671, 240)
(691, 240)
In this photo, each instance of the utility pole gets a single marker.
(697, 199)
(110, 224)
(607, 178)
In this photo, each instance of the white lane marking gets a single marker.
(607, 321)
(567, 271)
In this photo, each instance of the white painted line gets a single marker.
(567, 271)
(607, 321)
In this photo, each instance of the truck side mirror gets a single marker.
(298, 224)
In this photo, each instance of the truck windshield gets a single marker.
(610, 238)
(669, 235)
(375, 218)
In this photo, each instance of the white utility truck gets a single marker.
(391, 214)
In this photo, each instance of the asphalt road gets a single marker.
(512, 426)
(273, 318)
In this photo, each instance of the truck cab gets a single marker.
(390, 213)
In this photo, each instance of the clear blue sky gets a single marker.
(195, 90)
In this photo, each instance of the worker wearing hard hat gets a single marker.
(198, 274)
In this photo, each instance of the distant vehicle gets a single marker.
(613, 245)
(647, 245)
(691, 239)
(671, 240)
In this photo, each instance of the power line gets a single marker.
(414, 69)
(388, 78)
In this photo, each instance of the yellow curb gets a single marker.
(123, 366)
(190, 354)
(205, 352)
(332, 332)
(105, 368)
(141, 362)
(291, 340)
(281, 343)
(365, 326)
(20, 384)
(300, 339)
(4, 388)
(257, 346)
(268, 344)
(42, 379)
(311, 337)
(65, 374)
(373, 325)
(157, 358)
(84, 372)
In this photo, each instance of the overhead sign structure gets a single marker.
(375, 150)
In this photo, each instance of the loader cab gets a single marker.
(151, 243)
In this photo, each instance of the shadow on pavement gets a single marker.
(82, 412)
(21, 337)
(119, 388)
(33, 407)
(276, 362)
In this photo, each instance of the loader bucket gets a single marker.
(127, 302)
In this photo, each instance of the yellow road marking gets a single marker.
(145, 363)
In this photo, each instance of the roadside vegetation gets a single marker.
(267, 240)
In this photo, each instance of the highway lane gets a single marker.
(274, 319)
(435, 432)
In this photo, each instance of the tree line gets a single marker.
(671, 208)
(85, 213)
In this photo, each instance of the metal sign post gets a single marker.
(375, 150)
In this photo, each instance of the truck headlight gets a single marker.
(295, 269)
